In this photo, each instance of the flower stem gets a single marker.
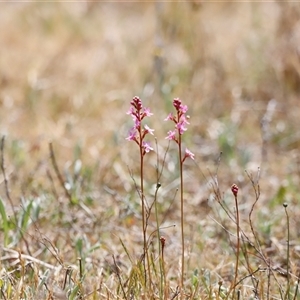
(288, 252)
(181, 213)
(238, 243)
(160, 248)
(143, 212)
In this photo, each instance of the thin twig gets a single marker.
(16, 255)
(247, 276)
(176, 293)
(52, 184)
(238, 237)
(119, 277)
(57, 172)
(3, 295)
(256, 189)
(269, 283)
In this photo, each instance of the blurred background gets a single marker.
(68, 72)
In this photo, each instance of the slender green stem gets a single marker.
(143, 210)
(238, 244)
(181, 214)
(159, 245)
(288, 252)
(163, 240)
(297, 287)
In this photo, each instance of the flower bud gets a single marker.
(162, 241)
(234, 189)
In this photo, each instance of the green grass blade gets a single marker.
(5, 224)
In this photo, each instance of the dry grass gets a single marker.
(68, 73)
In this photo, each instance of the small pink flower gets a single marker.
(171, 135)
(181, 127)
(147, 147)
(132, 134)
(130, 111)
(183, 108)
(184, 119)
(148, 130)
(169, 117)
(137, 123)
(147, 112)
(189, 154)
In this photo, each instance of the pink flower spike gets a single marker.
(189, 154)
(147, 147)
(148, 130)
(171, 135)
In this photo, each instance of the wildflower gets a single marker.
(162, 241)
(148, 130)
(179, 106)
(130, 111)
(180, 119)
(183, 108)
(181, 122)
(137, 111)
(136, 103)
(137, 133)
(169, 117)
(137, 123)
(132, 134)
(234, 189)
(147, 147)
(147, 112)
(177, 103)
(171, 135)
(181, 126)
(189, 154)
